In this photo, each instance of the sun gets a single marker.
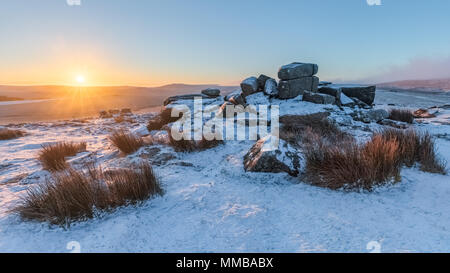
(80, 79)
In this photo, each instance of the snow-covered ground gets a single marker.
(212, 205)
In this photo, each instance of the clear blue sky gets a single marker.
(152, 42)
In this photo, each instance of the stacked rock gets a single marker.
(296, 78)
(362, 96)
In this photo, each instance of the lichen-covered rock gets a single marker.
(288, 89)
(318, 98)
(335, 92)
(188, 97)
(346, 101)
(211, 92)
(297, 70)
(377, 115)
(271, 88)
(262, 79)
(368, 116)
(272, 155)
(237, 98)
(249, 86)
(365, 94)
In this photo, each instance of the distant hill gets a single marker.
(54, 91)
(436, 85)
(66, 102)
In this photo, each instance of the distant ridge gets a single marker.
(59, 91)
(437, 85)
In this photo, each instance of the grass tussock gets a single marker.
(351, 166)
(364, 166)
(126, 142)
(416, 147)
(53, 156)
(163, 118)
(401, 115)
(76, 195)
(297, 129)
(7, 134)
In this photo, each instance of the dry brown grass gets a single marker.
(415, 147)
(76, 195)
(163, 118)
(53, 156)
(297, 129)
(351, 166)
(126, 142)
(7, 134)
(401, 115)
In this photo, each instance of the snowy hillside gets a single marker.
(212, 205)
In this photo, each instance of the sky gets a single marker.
(157, 42)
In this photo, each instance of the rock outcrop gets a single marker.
(295, 78)
(341, 98)
(365, 94)
(264, 157)
(318, 98)
(271, 88)
(249, 86)
(288, 89)
(368, 116)
(211, 92)
(262, 79)
(237, 98)
(187, 97)
(297, 70)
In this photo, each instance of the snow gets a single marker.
(213, 205)
(346, 100)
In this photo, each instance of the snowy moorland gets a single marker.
(211, 204)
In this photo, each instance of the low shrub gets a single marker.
(53, 156)
(76, 195)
